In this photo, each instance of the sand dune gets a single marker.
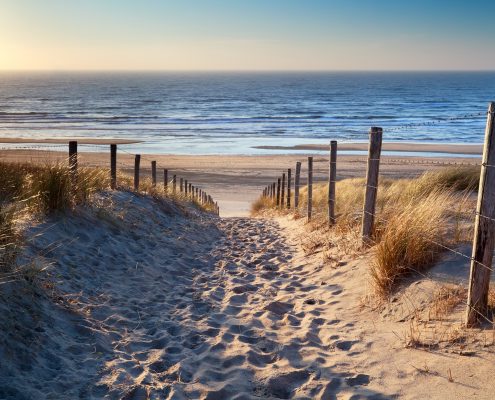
(149, 300)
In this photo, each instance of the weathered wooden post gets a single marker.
(282, 196)
(153, 173)
(296, 184)
(332, 177)
(484, 230)
(190, 191)
(181, 186)
(165, 179)
(73, 160)
(174, 184)
(289, 178)
(273, 191)
(374, 151)
(278, 192)
(137, 163)
(310, 187)
(113, 166)
(185, 187)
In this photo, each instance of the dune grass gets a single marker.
(415, 217)
(39, 189)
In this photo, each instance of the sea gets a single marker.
(241, 112)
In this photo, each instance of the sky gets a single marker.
(247, 35)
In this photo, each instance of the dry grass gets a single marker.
(410, 240)
(446, 300)
(415, 217)
(39, 189)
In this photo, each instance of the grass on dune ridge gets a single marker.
(415, 218)
(28, 189)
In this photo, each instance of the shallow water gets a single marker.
(228, 113)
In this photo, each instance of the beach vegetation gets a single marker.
(416, 218)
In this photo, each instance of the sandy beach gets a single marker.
(146, 300)
(236, 181)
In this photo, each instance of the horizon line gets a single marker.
(242, 70)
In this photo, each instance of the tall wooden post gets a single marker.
(289, 178)
(297, 184)
(374, 151)
(137, 163)
(153, 173)
(113, 166)
(165, 179)
(310, 187)
(282, 197)
(73, 160)
(185, 187)
(174, 184)
(278, 192)
(181, 186)
(273, 191)
(484, 230)
(190, 190)
(332, 177)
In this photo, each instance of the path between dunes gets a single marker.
(154, 302)
(158, 304)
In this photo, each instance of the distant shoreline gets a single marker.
(473, 149)
(401, 147)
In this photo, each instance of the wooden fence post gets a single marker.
(190, 190)
(310, 187)
(181, 186)
(174, 184)
(165, 179)
(289, 178)
(153, 173)
(73, 160)
(484, 230)
(273, 191)
(137, 163)
(374, 151)
(296, 184)
(185, 187)
(282, 197)
(113, 166)
(278, 192)
(332, 177)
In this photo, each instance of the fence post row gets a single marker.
(289, 172)
(374, 151)
(165, 179)
(332, 176)
(296, 184)
(73, 160)
(282, 197)
(137, 163)
(484, 230)
(310, 187)
(113, 166)
(153, 173)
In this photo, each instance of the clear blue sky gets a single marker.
(247, 35)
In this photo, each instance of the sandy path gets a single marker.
(240, 322)
(149, 300)
(161, 305)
